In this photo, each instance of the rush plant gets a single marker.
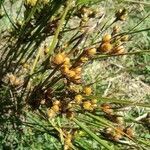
(43, 89)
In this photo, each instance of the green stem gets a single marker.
(60, 25)
(125, 102)
(137, 2)
(102, 142)
(129, 53)
(35, 61)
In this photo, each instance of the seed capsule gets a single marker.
(55, 108)
(87, 90)
(78, 98)
(87, 105)
(56, 102)
(84, 59)
(67, 61)
(129, 131)
(116, 29)
(77, 70)
(94, 106)
(59, 58)
(68, 142)
(70, 114)
(71, 74)
(65, 69)
(106, 108)
(119, 50)
(91, 52)
(120, 120)
(121, 15)
(94, 101)
(14, 80)
(31, 2)
(124, 38)
(51, 113)
(106, 47)
(106, 38)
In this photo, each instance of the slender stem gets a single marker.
(11, 21)
(137, 2)
(36, 60)
(92, 134)
(55, 39)
(129, 53)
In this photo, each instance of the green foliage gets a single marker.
(32, 80)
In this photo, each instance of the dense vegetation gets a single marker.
(74, 74)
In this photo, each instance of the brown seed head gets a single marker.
(67, 61)
(55, 108)
(129, 131)
(87, 105)
(119, 50)
(91, 52)
(59, 58)
(51, 113)
(65, 69)
(121, 15)
(116, 29)
(71, 74)
(84, 59)
(106, 38)
(87, 90)
(106, 47)
(78, 70)
(124, 38)
(94, 101)
(78, 98)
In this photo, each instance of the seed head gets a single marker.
(106, 38)
(56, 102)
(65, 69)
(121, 15)
(119, 50)
(116, 29)
(78, 98)
(94, 101)
(87, 90)
(84, 59)
(55, 108)
(67, 61)
(31, 2)
(124, 38)
(51, 113)
(87, 105)
(59, 58)
(106, 47)
(77, 70)
(129, 131)
(71, 74)
(91, 52)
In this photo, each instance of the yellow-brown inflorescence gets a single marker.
(106, 45)
(31, 2)
(91, 52)
(76, 97)
(68, 142)
(87, 90)
(121, 14)
(15, 81)
(116, 29)
(59, 58)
